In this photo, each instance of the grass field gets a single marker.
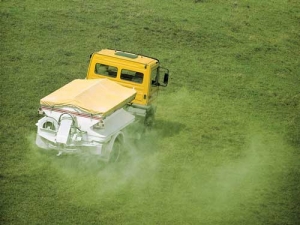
(225, 145)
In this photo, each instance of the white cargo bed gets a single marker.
(84, 114)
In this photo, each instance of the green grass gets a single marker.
(225, 146)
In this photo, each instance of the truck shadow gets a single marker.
(149, 143)
(167, 128)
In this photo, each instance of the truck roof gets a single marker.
(146, 60)
(96, 96)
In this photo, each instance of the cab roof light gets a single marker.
(119, 53)
(127, 55)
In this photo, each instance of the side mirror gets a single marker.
(166, 79)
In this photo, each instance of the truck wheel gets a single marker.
(149, 120)
(116, 151)
(150, 116)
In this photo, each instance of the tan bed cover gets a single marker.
(96, 96)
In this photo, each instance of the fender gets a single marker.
(119, 135)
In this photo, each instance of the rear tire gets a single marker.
(116, 151)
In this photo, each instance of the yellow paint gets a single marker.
(127, 69)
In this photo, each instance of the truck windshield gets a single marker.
(106, 70)
(133, 76)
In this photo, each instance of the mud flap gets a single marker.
(63, 131)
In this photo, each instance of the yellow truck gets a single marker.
(91, 115)
(142, 73)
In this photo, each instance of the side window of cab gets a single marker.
(154, 76)
(132, 76)
(106, 70)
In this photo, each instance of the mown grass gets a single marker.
(225, 146)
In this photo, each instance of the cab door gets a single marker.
(154, 85)
(136, 79)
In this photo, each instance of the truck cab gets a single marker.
(142, 73)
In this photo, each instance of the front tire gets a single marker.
(150, 117)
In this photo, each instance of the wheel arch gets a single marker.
(118, 136)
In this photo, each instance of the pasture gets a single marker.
(225, 145)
